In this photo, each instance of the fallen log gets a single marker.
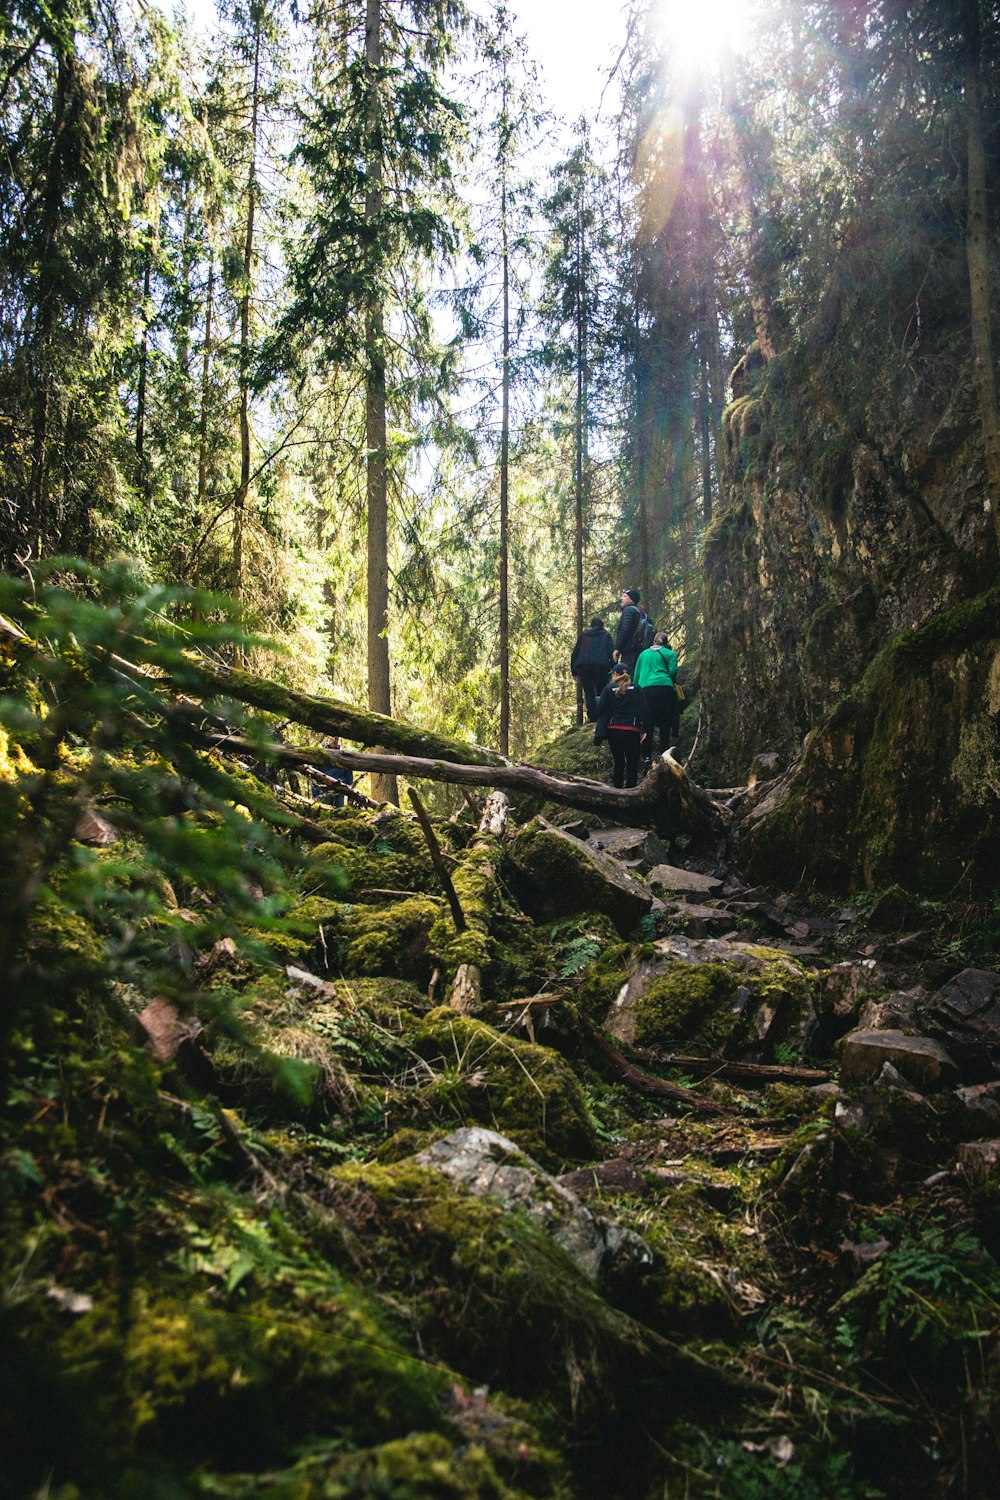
(325, 715)
(666, 800)
(735, 1072)
(477, 875)
(647, 1083)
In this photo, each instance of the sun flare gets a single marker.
(698, 33)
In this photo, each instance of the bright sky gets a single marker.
(576, 43)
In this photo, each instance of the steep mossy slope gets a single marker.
(902, 782)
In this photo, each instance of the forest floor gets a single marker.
(693, 1193)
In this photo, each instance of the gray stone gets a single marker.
(671, 878)
(846, 984)
(919, 1059)
(972, 993)
(982, 1104)
(891, 1078)
(865, 1253)
(896, 1011)
(616, 1176)
(637, 845)
(966, 1015)
(490, 1166)
(700, 921)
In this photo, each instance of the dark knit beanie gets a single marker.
(633, 595)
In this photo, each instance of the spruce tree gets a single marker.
(378, 138)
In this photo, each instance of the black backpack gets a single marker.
(643, 635)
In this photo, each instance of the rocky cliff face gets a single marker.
(838, 604)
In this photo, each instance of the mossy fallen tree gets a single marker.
(204, 679)
(666, 800)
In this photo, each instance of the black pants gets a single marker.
(593, 681)
(665, 715)
(625, 753)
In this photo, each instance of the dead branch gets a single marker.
(736, 1072)
(437, 859)
(647, 1083)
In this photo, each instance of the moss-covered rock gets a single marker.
(556, 875)
(710, 996)
(899, 784)
(394, 940)
(491, 1293)
(481, 1076)
(424, 1466)
(168, 1376)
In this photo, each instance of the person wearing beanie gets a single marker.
(626, 644)
(590, 662)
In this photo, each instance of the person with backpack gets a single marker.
(623, 720)
(635, 630)
(590, 662)
(656, 673)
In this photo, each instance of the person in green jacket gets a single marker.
(655, 673)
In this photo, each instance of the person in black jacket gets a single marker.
(591, 662)
(626, 646)
(623, 719)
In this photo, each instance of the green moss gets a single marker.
(603, 978)
(475, 883)
(392, 939)
(690, 1002)
(490, 1289)
(528, 1093)
(710, 1005)
(421, 1466)
(893, 787)
(561, 880)
(239, 1388)
(60, 936)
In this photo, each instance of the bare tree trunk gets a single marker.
(239, 503)
(140, 398)
(384, 786)
(752, 198)
(504, 560)
(978, 256)
(581, 422)
(37, 503)
(206, 372)
(705, 412)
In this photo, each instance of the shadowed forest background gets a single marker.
(494, 1151)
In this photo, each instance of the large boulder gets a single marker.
(901, 781)
(965, 1016)
(638, 847)
(709, 995)
(671, 878)
(556, 875)
(490, 1166)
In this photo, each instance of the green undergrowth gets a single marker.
(222, 1272)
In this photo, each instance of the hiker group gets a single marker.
(629, 687)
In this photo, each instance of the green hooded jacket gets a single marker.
(656, 667)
